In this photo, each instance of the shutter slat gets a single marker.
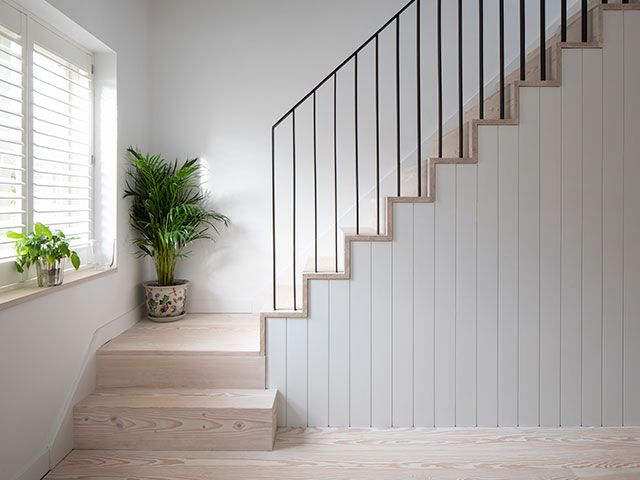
(64, 139)
(55, 112)
(46, 71)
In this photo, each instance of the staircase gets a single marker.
(416, 183)
(197, 384)
(373, 329)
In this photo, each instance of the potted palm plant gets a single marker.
(169, 211)
(45, 249)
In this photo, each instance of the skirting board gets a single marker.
(62, 437)
(37, 469)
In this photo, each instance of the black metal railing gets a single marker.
(374, 42)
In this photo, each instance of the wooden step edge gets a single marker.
(231, 399)
(620, 6)
(187, 353)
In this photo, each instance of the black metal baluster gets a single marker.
(481, 57)
(377, 142)
(293, 136)
(335, 169)
(501, 27)
(543, 41)
(419, 99)
(523, 58)
(460, 88)
(439, 34)
(273, 210)
(563, 20)
(398, 103)
(355, 96)
(315, 187)
(584, 18)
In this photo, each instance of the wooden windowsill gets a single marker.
(29, 290)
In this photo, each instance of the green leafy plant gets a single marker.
(168, 211)
(42, 244)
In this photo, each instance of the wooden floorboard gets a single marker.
(428, 454)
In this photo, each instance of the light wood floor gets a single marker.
(425, 454)
(219, 333)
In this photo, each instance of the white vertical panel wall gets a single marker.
(513, 299)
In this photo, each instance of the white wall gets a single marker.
(224, 71)
(512, 300)
(44, 342)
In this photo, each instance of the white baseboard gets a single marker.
(37, 469)
(62, 437)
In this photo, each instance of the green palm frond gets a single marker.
(169, 209)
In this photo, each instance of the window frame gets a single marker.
(33, 31)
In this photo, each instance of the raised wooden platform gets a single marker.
(200, 351)
(394, 454)
(176, 419)
(195, 384)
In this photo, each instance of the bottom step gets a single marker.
(175, 419)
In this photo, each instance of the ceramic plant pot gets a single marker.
(50, 274)
(166, 304)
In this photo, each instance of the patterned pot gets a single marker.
(166, 304)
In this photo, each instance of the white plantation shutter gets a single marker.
(12, 140)
(61, 175)
(46, 135)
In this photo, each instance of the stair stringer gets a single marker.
(431, 171)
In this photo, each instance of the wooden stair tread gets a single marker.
(196, 333)
(182, 398)
(176, 419)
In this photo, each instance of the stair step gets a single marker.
(196, 333)
(200, 351)
(175, 420)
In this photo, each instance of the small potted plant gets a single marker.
(168, 212)
(47, 250)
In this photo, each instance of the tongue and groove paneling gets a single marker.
(550, 263)
(571, 254)
(487, 271)
(423, 313)
(592, 237)
(507, 275)
(466, 295)
(612, 218)
(529, 257)
(544, 257)
(402, 318)
(381, 333)
(445, 297)
(631, 326)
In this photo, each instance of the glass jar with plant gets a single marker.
(45, 249)
(169, 211)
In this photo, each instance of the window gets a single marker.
(46, 125)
